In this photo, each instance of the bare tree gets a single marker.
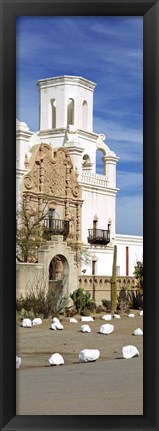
(29, 233)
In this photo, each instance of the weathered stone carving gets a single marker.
(51, 178)
(52, 168)
(28, 183)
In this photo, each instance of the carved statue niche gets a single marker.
(56, 269)
(72, 225)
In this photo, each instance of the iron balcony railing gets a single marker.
(98, 236)
(56, 226)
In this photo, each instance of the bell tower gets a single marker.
(64, 101)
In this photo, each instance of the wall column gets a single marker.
(110, 168)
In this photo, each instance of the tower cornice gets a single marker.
(66, 79)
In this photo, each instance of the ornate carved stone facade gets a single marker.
(51, 180)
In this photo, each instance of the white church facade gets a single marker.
(57, 165)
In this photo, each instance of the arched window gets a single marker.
(99, 162)
(70, 111)
(53, 114)
(85, 115)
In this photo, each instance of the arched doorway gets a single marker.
(59, 274)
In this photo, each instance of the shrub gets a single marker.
(38, 303)
(55, 315)
(70, 311)
(130, 298)
(134, 298)
(138, 272)
(23, 314)
(33, 301)
(138, 297)
(107, 304)
(85, 312)
(56, 303)
(82, 300)
(99, 309)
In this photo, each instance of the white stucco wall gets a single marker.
(100, 204)
(104, 256)
(61, 89)
(135, 251)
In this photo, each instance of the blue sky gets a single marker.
(108, 51)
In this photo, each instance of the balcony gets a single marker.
(98, 236)
(56, 226)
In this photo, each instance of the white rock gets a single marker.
(26, 323)
(18, 362)
(59, 325)
(106, 329)
(131, 315)
(138, 331)
(116, 316)
(141, 313)
(53, 326)
(85, 328)
(56, 359)
(106, 317)
(88, 355)
(73, 320)
(56, 325)
(55, 320)
(87, 319)
(37, 321)
(129, 352)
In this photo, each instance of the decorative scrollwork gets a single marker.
(75, 190)
(28, 183)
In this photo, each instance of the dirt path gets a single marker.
(110, 386)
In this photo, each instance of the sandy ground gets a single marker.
(110, 386)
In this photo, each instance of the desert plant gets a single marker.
(40, 303)
(123, 301)
(70, 311)
(114, 283)
(56, 302)
(107, 304)
(22, 314)
(134, 298)
(99, 309)
(130, 298)
(138, 272)
(82, 300)
(85, 312)
(33, 300)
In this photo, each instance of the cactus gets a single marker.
(114, 283)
